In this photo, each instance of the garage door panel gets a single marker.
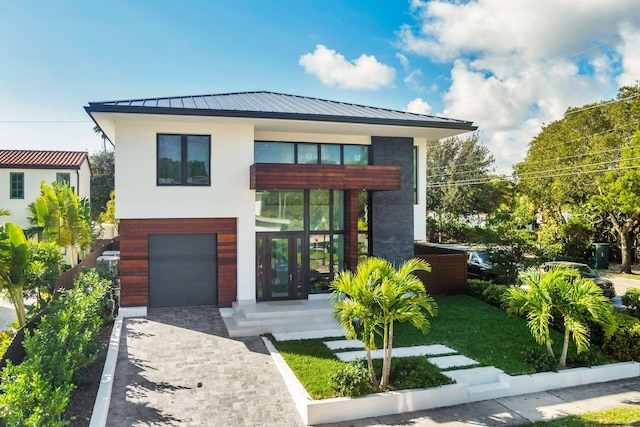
(182, 270)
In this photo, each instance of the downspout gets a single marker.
(78, 182)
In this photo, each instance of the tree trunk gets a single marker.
(15, 292)
(549, 348)
(565, 349)
(625, 231)
(372, 373)
(386, 356)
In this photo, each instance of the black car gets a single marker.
(479, 265)
(585, 272)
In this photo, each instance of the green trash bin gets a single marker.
(600, 258)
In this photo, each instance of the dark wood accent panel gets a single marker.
(134, 254)
(448, 274)
(277, 176)
(351, 229)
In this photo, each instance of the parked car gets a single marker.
(479, 265)
(586, 272)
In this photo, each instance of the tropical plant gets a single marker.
(64, 218)
(377, 296)
(43, 270)
(109, 214)
(14, 259)
(562, 292)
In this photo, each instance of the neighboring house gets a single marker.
(245, 197)
(22, 172)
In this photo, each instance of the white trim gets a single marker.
(103, 398)
(138, 311)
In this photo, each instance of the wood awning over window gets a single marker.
(278, 176)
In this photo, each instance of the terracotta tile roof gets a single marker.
(42, 159)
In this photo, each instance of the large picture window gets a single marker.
(16, 185)
(305, 153)
(183, 159)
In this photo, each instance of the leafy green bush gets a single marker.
(353, 380)
(43, 270)
(541, 360)
(475, 287)
(494, 295)
(631, 299)
(589, 358)
(415, 372)
(624, 344)
(36, 392)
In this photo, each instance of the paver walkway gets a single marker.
(178, 367)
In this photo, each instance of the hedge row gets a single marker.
(36, 392)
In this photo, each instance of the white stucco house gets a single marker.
(22, 172)
(247, 197)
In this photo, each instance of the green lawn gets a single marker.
(467, 325)
(620, 416)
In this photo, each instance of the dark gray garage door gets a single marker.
(182, 270)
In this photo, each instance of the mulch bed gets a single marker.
(80, 406)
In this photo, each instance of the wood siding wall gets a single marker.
(134, 254)
(448, 274)
(277, 176)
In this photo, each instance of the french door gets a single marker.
(280, 272)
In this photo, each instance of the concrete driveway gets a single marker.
(178, 367)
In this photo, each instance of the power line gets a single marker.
(43, 121)
(517, 178)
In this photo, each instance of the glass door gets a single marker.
(280, 267)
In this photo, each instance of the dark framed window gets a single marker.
(310, 153)
(183, 160)
(16, 185)
(63, 177)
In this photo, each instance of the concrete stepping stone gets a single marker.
(308, 335)
(342, 344)
(456, 361)
(418, 350)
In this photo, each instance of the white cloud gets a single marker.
(334, 70)
(419, 106)
(630, 53)
(517, 65)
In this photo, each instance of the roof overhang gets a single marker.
(106, 117)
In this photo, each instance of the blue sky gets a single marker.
(507, 66)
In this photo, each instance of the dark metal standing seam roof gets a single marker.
(271, 105)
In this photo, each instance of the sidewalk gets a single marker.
(518, 410)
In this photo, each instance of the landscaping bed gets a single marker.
(80, 407)
(471, 327)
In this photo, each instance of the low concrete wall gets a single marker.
(334, 410)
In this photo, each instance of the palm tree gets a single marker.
(536, 303)
(63, 217)
(353, 301)
(579, 300)
(402, 298)
(374, 298)
(561, 290)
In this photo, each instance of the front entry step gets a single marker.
(279, 317)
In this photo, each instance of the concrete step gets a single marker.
(475, 376)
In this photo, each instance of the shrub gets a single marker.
(541, 360)
(43, 270)
(494, 295)
(353, 380)
(37, 391)
(624, 344)
(415, 372)
(589, 358)
(631, 299)
(476, 287)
